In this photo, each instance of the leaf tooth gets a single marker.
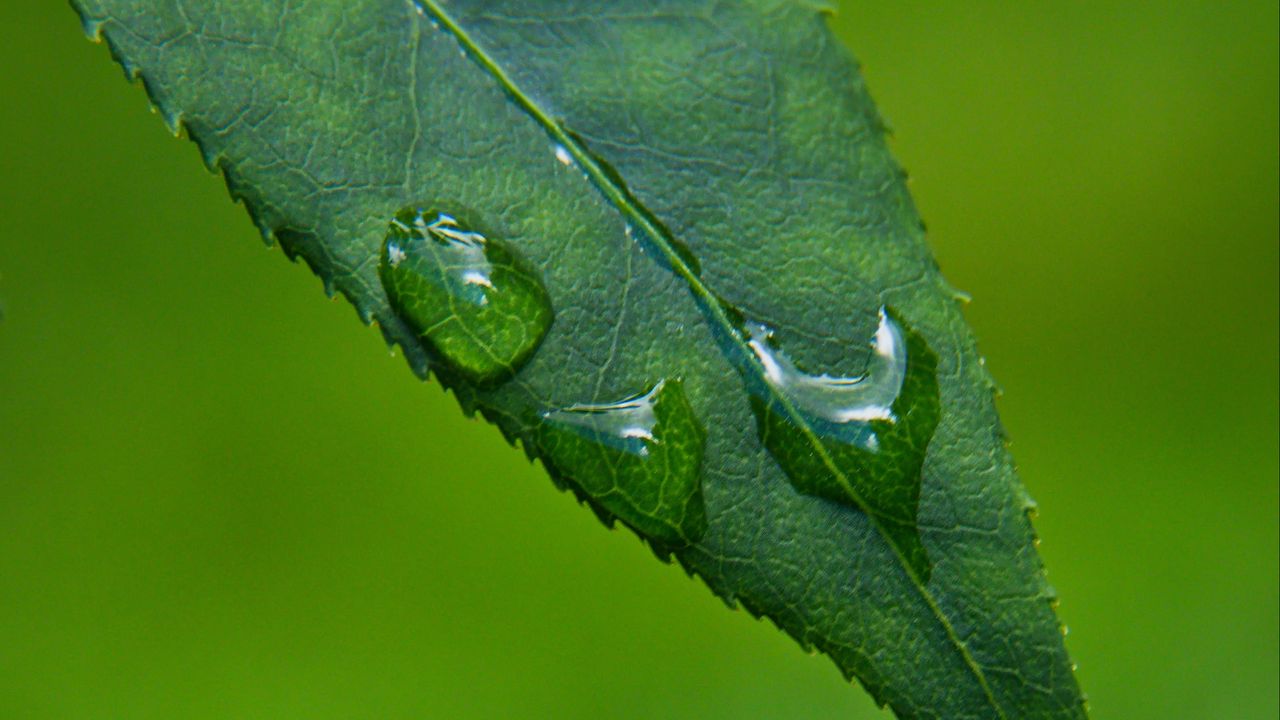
(174, 121)
(268, 236)
(214, 161)
(879, 122)
(92, 26)
(236, 191)
(130, 69)
(961, 297)
(1030, 507)
(665, 555)
(530, 452)
(824, 8)
(605, 517)
(413, 355)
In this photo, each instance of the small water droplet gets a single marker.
(873, 428)
(562, 154)
(639, 458)
(473, 300)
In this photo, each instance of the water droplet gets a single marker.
(473, 300)
(873, 429)
(639, 458)
(562, 154)
(846, 405)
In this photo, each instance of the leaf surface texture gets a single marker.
(675, 175)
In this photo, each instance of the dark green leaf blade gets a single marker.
(670, 168)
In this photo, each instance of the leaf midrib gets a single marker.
(634, 211)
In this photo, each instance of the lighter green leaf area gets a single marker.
(725, 161)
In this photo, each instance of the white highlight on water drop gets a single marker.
(562, 154)
(394, 254)
(840, 400)
(627, 423)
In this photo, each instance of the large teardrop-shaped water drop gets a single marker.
(639, 458)
(474, 301)
(873, 428)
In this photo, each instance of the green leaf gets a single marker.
(678, 264)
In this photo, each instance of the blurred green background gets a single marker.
(219, 497)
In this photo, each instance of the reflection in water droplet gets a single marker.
(562, 154)
(471, 299)
(626, 425)
(638, 458)
(847, 404)
(394, 254)
(873, 429)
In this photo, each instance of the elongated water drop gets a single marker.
(874, 428)
(639, 458)
(473, 300)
